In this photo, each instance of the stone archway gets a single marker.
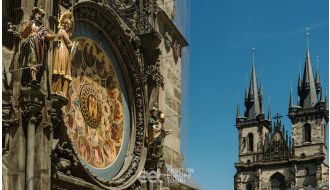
(277, 181)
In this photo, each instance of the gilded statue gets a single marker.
(61, 75)
(156, 131)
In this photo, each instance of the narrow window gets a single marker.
(307, 132)
(250, 137)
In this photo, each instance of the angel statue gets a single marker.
(61, 76)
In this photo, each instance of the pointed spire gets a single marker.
(246, 87)
(307, 60)
(308, 95)
(317, 77)
(269, 111)
(299, 81)
(253, 109)
(291, 97)
(322, 98)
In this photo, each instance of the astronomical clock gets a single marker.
(97, 115)
(104, 117)
(81, 93)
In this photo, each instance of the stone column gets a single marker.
(318, 178)
(32, 102)
(29, 179)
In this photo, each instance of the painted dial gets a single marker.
(95, 114)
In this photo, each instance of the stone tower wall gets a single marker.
(170, 101)
(317, 136)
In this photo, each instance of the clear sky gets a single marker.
(222, 35)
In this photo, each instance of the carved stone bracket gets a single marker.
(32, 101)
(57, 103)
(152, 76)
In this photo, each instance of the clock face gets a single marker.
(96, 116)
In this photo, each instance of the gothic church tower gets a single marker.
(268, 157)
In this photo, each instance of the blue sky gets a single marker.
(221, 36)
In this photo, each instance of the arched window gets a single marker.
(250, 139)
(277, 182)
(249, 186)
(307, 133)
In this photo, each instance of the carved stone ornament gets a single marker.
(152, 75)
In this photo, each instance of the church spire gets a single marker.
(291, 97)
(299, 82)
(317, 76)
(308, 96)
(246, 88)
(269, 111)
(238, 114)
(322, 97)
(253, 107)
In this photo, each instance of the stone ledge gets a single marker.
(69, 182)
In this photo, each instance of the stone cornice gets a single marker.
(174, 30)
(280, 162)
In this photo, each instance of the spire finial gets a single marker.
(299, 63)
(307, 36)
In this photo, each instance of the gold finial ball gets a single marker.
(162, 116)
(253, 49)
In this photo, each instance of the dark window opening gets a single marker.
(307, 133)
(250, 137)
